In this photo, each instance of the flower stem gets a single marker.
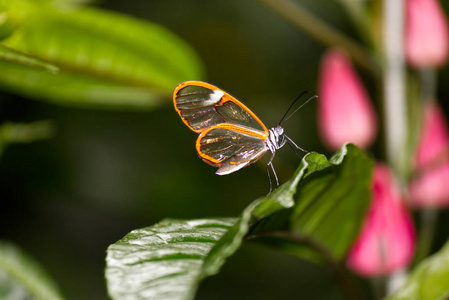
(379, 286)
(428, 84)
(394, 87)
(426, 233)
(395, 107)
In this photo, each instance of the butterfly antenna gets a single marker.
(285, 117)
(291, 105)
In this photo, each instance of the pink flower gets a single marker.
(387, 240)
(345, 113)
(426, 34)
(430, 185)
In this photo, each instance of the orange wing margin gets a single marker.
(202, 105)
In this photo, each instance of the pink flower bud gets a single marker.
(430, 185)
(426, 34)
(345, 113)
(431, 188)
(387, 240)
(434, 139)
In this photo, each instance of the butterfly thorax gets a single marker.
(276, 138)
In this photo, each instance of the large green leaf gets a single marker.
(331, 205)
(23, 278)
(429, 280)
(162, 261)
(12, 55)
(105, 59)
(169, 259)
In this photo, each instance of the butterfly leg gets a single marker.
(294, 146)
(270, 164)
(269, 179)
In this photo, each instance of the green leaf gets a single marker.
(168, 260)
(162, 261)
(76, 90)
(12, 55)
(23, 278)
(105, 59)
(429, 280)
(331, 205)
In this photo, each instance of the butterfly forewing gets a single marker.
(202, 105)
(231, 147)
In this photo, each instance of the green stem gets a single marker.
(379, 286)
(428, 84)
(356, 10)
(426, 233)
(321, 31)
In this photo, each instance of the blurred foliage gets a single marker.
(429, 280)
(24, 133)
(105, 59)
(23, 278)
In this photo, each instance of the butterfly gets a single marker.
(231, 136)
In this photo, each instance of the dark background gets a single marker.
(64, 200)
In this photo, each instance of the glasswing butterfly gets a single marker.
(231, 135)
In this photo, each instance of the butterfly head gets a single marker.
(276, 138)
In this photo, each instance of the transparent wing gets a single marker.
(201, 105)
(231, 147)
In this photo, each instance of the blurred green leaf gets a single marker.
(429, 280)
(23, 278)
(106, 59)
(25, 132)
(331, 205)
(169, 259)
(12, 55)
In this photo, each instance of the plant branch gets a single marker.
(426, 234)
(321, 31)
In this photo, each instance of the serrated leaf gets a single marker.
(23, 278)
(429, 280)
(168, 260)
(106, 59)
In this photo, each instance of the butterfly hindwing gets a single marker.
(230, 147)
